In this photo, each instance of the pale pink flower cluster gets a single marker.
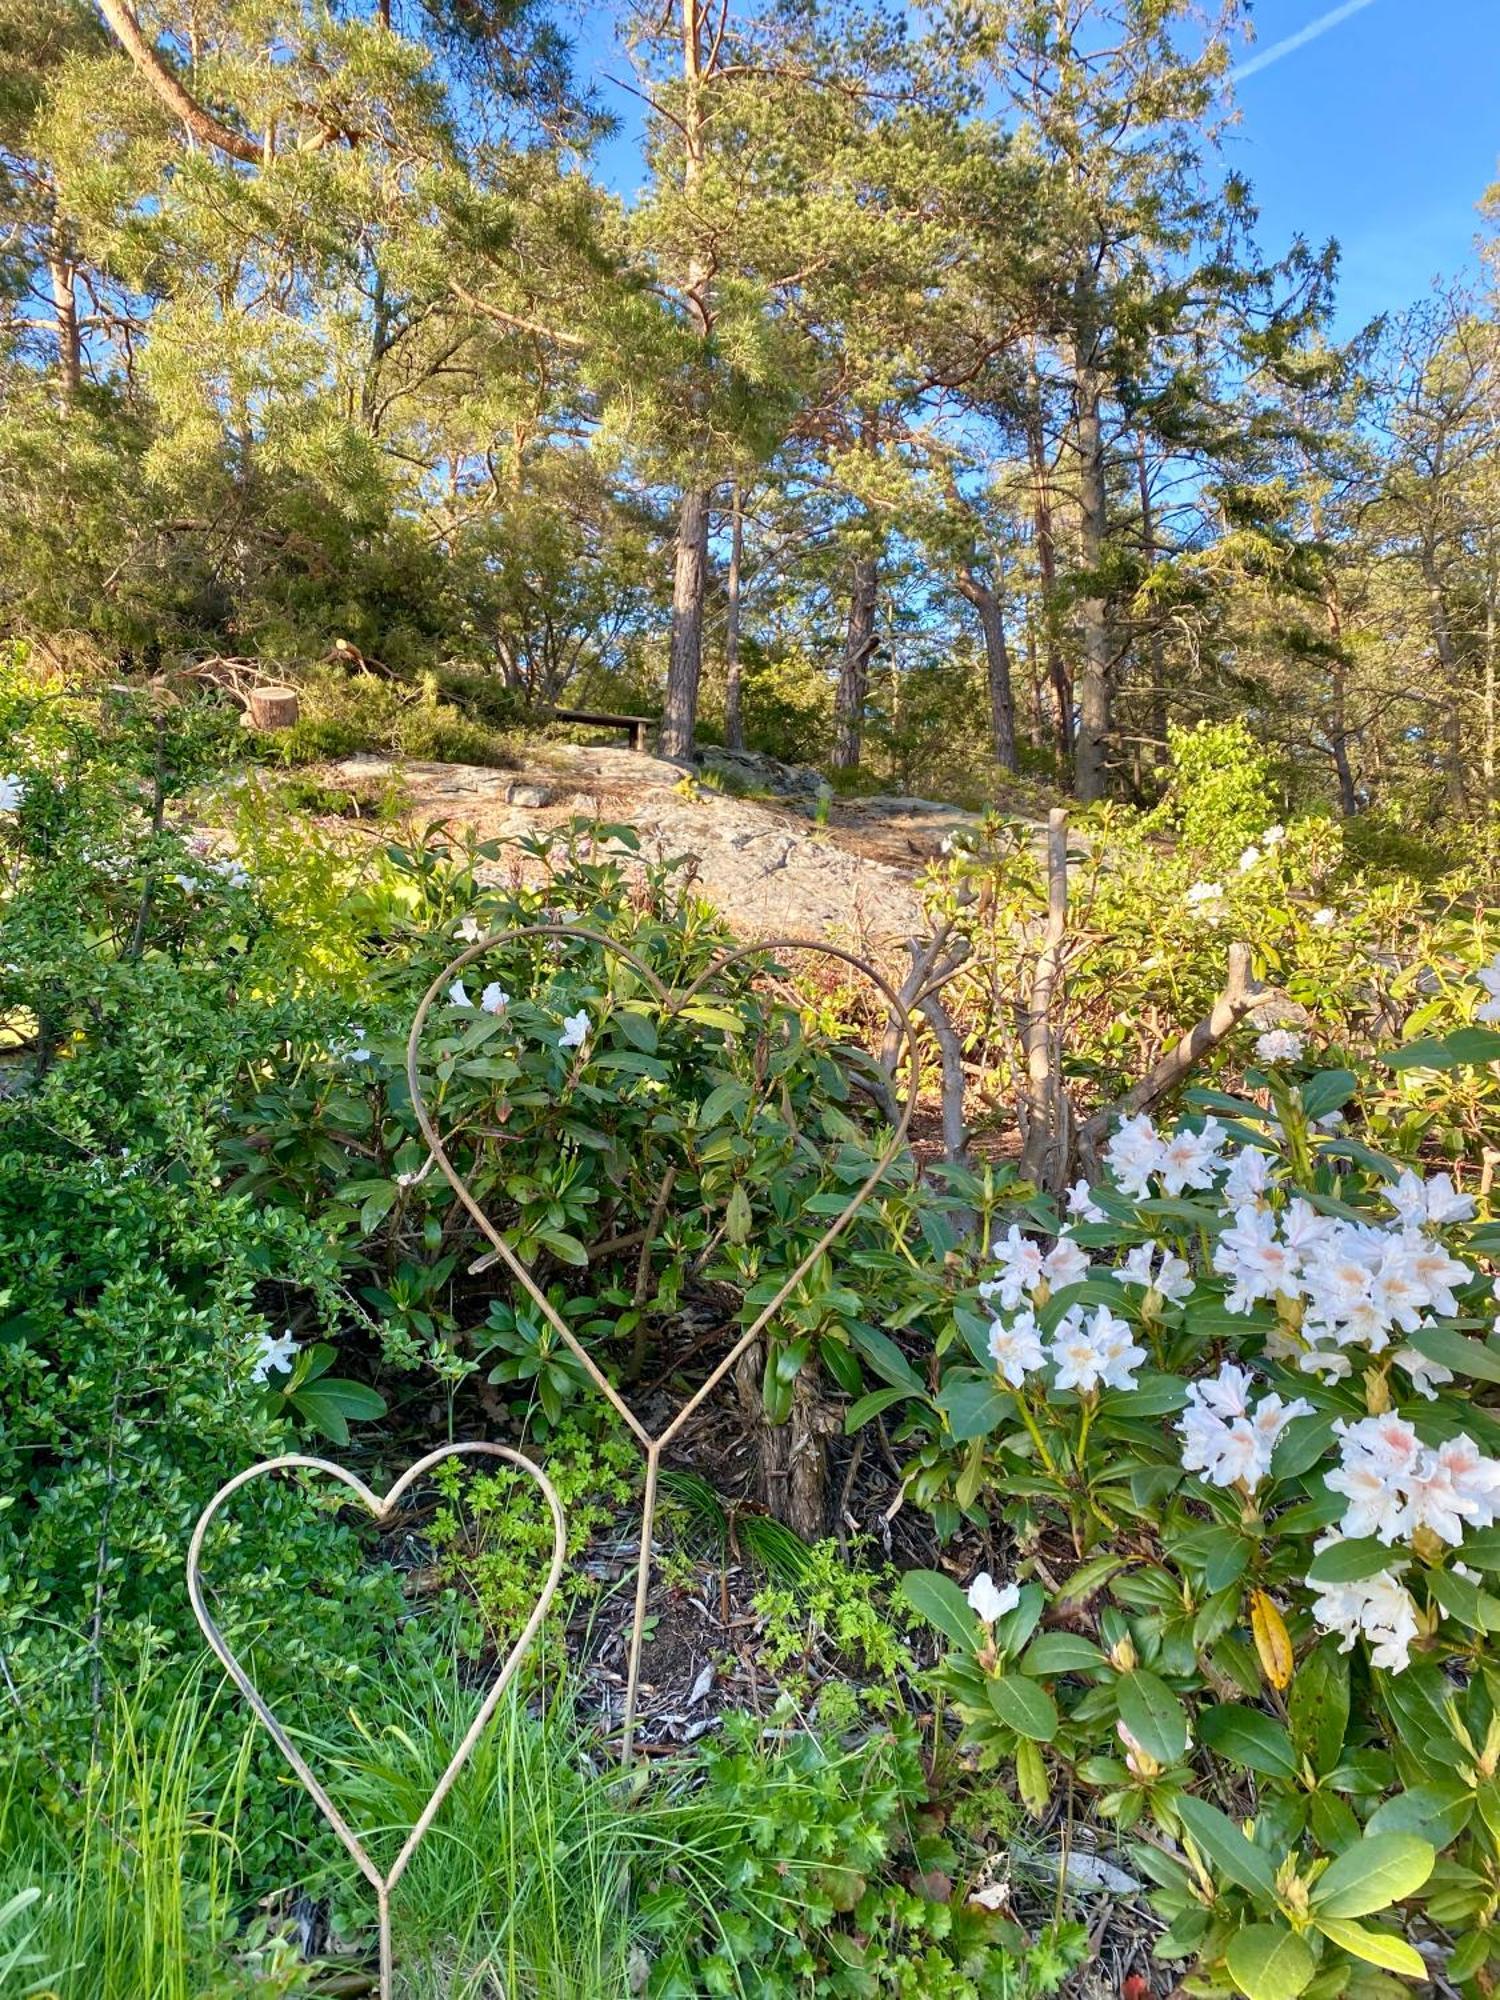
(1172, 1279)
(1361, 1285)
(1021, 1265)
(1394, 1484)
(1086, 1352)
(1224, 1438)
(1137, 1154)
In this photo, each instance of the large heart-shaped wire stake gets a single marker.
(382, 1510)
(672, 1003)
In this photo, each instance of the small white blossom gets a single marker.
(1223, 1438)
(1427, 1376)
(1098, 1353)
(1249, 1176)
(1081, 1204)
(1206, 900)
(1435, 1200)
(494, 999)
(1172, 1281)
(12, 793)
(1248, 858)
(989, 1601)
(1066, 1263)
(1191, 1159)
(470, 930)
(1018, 1271)
(1488, 977)
(275, 1353)
(1016, 1349)
(458, 995)
(1279, 1045)
(575, 1031)
(1273, 836)
(1134, 1154)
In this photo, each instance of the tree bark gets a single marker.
(791, 1458)
(1338, 724)
(63, 273)
(1090, 750)
(997, 666)
(734, 728)
(1046, 558)
(854, 674)
(1154, 651)
(203, 126)
(685, 663)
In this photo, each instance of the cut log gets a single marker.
(273, 707)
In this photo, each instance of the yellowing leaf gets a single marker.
(1272, 1640)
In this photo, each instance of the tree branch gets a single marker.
(207, 129)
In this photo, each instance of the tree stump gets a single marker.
(273, 707)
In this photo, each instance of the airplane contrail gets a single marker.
(1298, 41)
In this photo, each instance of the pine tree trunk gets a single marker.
(1158, 699)
(63, 274)
(734, 727)
(1046, 557)
(997, 666)
(854, 675)
(685, 663)
(1090, 750)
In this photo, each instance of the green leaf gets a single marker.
(1382, 1869)
(939, 1600)
(1061, 1653)
(1392, 1954)
(638, 1029)
(1249, 1738)
(859, 1414)
(1233, 1856)
(1153, 1715)
(1327, 1091)
(563, 1246)
(1023, 1706)
(886, 1358)
(1318, 1705)
(1456, 1351)
(1350, 1561)
(1268, 1962)
(974, 1405)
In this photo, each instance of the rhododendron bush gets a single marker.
(1233, 1400)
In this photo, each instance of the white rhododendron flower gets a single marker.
(1018, 1272)
(989, 1601)
(1206, 900)
(494, 999)
(1248, 858)
(1324, 920)
(1395, 1484)
(470, 930)
(1427, 1376)
(458, 995)
(1172, 1279)
(1097, 1353)
(277, 1353)
(1134, 1154)
(1223, 1438)
(575, 1031)
(1435, 1200)
(1378, 1608)
(1066, 1263)
(1488, 977)
(353, 1051)
(12, 793)
(1191, 1159)
(1081, 1204)
(1279, 1045)
(1250, 1175)
(1273, 836)
(1016, 1348)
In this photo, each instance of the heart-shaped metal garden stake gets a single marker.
(382, 1510)
(672, 1004)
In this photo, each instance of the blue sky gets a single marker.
(1383, 130)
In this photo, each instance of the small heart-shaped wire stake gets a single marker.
(381, 1510)
(672, 1004)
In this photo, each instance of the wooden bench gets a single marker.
(637, 725)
